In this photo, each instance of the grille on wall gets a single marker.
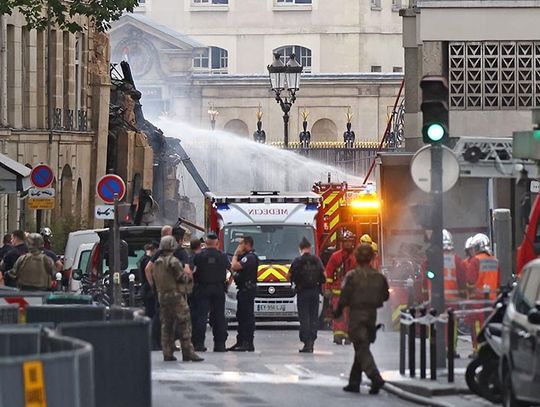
(494, 75)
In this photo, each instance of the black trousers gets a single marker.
(205, 298)
(245, 315)
(307, 301)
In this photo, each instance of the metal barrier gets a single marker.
(65, 313)
(37, 366)
(425, 322)
(121, 352)
(9, 314)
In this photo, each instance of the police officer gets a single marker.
(245, 264)
(34, 270)
(364, 290)
(173, 286)
(209, 274)
(307, 274)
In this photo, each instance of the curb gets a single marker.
(405, 395)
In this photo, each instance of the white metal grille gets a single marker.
(494, 75)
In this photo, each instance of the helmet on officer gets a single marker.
(347, 235)
(168, 244)
(366, 239)
(363, 254)
(46, 233)
(35, 242)
(447, 240)
(480, 243)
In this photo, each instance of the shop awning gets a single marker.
(14, 176)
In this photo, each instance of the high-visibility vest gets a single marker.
(451, 289)
(488, 275)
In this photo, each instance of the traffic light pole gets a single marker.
(436, 256)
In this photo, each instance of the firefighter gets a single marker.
(483, 277)
(364, 290)
(466, 261)
(454, 271)
(483, 269)
(339, 264)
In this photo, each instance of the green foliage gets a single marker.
(61, 227)
(61, 13)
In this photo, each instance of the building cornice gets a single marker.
(478, 4)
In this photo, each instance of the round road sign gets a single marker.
(421, 169)
(42, 176)
(108, 186)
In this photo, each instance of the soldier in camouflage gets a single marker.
(173, 286)
(364, 290)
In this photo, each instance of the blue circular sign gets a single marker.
(42, 176)
(109, 186)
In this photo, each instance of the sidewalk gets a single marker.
(435, 392)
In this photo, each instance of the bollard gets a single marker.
(433, 347)
(402, 335)
(451, 344)
(412, 345)
(132, 290)
(486, 289)
(58, 277)
(423, 331)
(410, 291)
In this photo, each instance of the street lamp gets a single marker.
(213, 113)
(286, 79)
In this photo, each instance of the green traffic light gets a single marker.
(435, 132)
(430, 274)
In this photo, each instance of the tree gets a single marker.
(59, 13)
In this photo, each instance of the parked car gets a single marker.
(520, 368)
(82, 258)
(133, 239)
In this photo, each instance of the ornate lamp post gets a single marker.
(213, 113)
(285, 82)
(349, 136)
(259, 135)
(305, 135)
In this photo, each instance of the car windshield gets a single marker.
(272, 242)
(84, 259)
(133, 261)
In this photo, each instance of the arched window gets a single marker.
(212, 60)
(324, 130)
(66, 191)
(237, 127)
(303, 55)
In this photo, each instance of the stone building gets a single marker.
(72, 138)
(347, 66)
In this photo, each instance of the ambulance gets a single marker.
(276, 222)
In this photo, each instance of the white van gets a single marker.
(75, 240)
(82, 258)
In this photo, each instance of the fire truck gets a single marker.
(276, 222)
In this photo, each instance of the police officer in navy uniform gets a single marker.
(245, 264)
(307, 274)
(210, 272)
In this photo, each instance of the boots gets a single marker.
(338, 340)
(171, 358)
(308, 347)
(244, 347)
(352, 388)
(189, 355)
(376, 384)
(219, 347)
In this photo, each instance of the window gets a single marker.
(302, 54)
(376, 4)
(396, 5)
(526, 293)
(287, 2)
(214, 60)
(397, 69)
(376, 68)
(209, 2)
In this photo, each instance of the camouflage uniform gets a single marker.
(173, 287)
(364, 290)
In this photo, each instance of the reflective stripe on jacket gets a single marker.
(488, 275)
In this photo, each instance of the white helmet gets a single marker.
(480, 243)
(468, 243)
(447, 241)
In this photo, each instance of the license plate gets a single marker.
(271, 308)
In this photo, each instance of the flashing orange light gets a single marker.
(366, 204)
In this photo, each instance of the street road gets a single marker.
(274, 375)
